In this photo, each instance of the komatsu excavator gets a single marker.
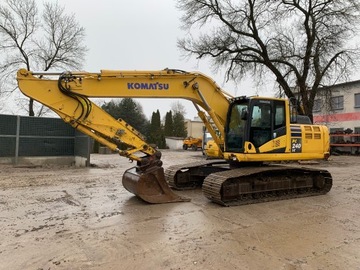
(254, 135)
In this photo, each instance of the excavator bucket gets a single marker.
(150, 185)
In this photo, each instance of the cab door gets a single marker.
(266, 121)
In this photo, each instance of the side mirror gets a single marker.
(293, 110)
(244, 114)
(293, 117)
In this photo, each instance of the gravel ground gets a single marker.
(56, 217)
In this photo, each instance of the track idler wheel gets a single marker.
(150, 185)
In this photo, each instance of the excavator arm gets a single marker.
(68, 95)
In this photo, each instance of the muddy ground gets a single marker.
(82, 218)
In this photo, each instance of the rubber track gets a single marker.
(212, 186)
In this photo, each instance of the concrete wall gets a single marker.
(174, 143)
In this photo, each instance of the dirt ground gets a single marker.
(82, 218)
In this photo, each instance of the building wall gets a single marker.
(194, 128)
(339, 117)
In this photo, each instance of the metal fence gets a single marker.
(23, 136)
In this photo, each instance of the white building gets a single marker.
(195, 127)
(338, 107)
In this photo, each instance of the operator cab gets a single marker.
(256, 120)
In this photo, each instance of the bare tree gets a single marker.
(303, 44)
(51, 40)
(177, 107)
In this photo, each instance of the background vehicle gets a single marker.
(192, 143)
(253, 131)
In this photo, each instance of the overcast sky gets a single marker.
(139, 35)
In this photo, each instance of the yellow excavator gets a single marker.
(254, 135)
